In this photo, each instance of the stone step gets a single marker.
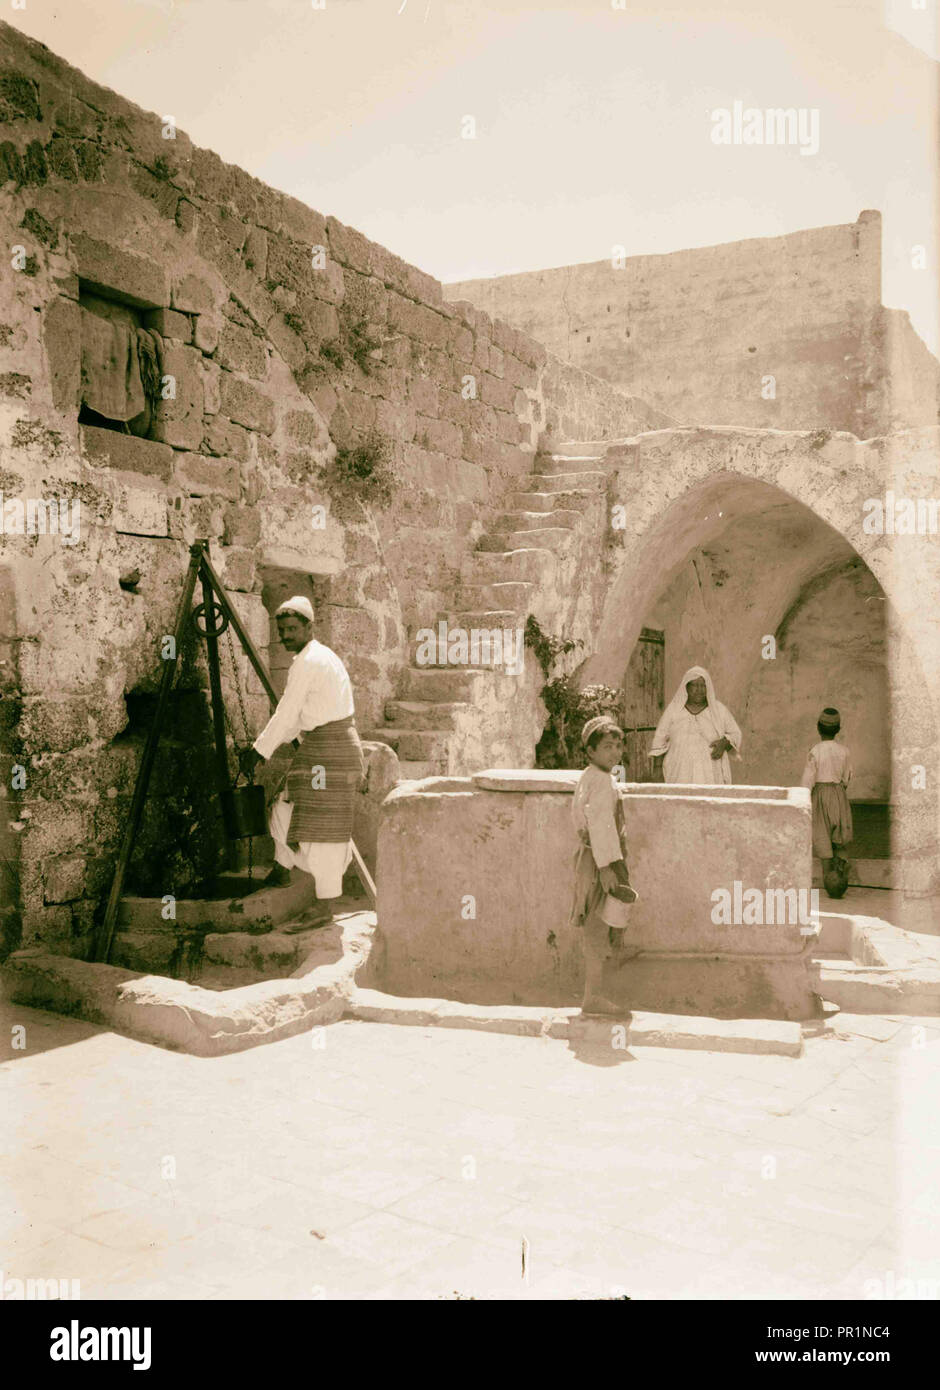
(273, 952)
(424, 714)
(535, 564)
(547, 502)
(580, 448)
(441, 683)
(498, 593)
(514, 522)
(553, 538)
(553, 464)
(488, 618)
(587, 482)
(414, 771)
(416, 745)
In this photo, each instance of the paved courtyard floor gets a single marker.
(375, 1161)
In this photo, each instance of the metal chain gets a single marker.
(244, 716)
(238, 689)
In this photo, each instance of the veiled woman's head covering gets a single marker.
(678, 700)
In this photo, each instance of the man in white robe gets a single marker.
(318, 693)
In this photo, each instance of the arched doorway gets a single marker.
(746, 579)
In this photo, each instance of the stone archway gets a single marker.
(762, 516)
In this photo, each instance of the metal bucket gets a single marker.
(243, 809)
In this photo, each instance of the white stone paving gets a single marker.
(403, 1162)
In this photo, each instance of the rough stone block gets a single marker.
(126, 452)
(137, 280)
(442, 436)
(395, 420)
(424, 393)
(360, 409)
(62, 340)
(137, 511)
(179, 419)
(206, 331)
(504, 336)
(519, 373)
(305, 427)
(289, 344)
(223, 437)
(242, 526)
(292, 218)
(64, 878)
(211, 387)
(191, 295)
(246, 405)
(509, 428)
(423, 287)
(256, 251)
(241, 351)
(493, 391)
(348, 246)
(191, 518)
(202, 476)
(328, 282)
(461, 342)
(417, 321)
(169, 324)
(237, 568)
(354, 630)
(452, 406)
(366, 298)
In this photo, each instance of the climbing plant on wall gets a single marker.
(569, 705)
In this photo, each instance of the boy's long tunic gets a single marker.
(597, 814)
(317, 708)
(828, 772)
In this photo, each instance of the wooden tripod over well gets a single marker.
(213, 595)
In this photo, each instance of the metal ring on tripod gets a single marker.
(209, 613)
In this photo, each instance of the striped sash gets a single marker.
(324, 814)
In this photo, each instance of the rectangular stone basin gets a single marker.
(475, 881)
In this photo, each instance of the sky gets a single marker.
(593, 124)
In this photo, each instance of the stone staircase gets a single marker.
(434, 724)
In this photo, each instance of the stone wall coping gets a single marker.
(565, 780)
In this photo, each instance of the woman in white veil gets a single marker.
(695, 735)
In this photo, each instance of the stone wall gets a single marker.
(286, 341)
(697, 333)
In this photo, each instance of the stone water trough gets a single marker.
(474, 881)
(475, 877)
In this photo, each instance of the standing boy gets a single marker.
(828, 772)
(600, 860)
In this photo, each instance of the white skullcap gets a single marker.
(299, 605)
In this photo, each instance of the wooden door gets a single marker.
(642, 702)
